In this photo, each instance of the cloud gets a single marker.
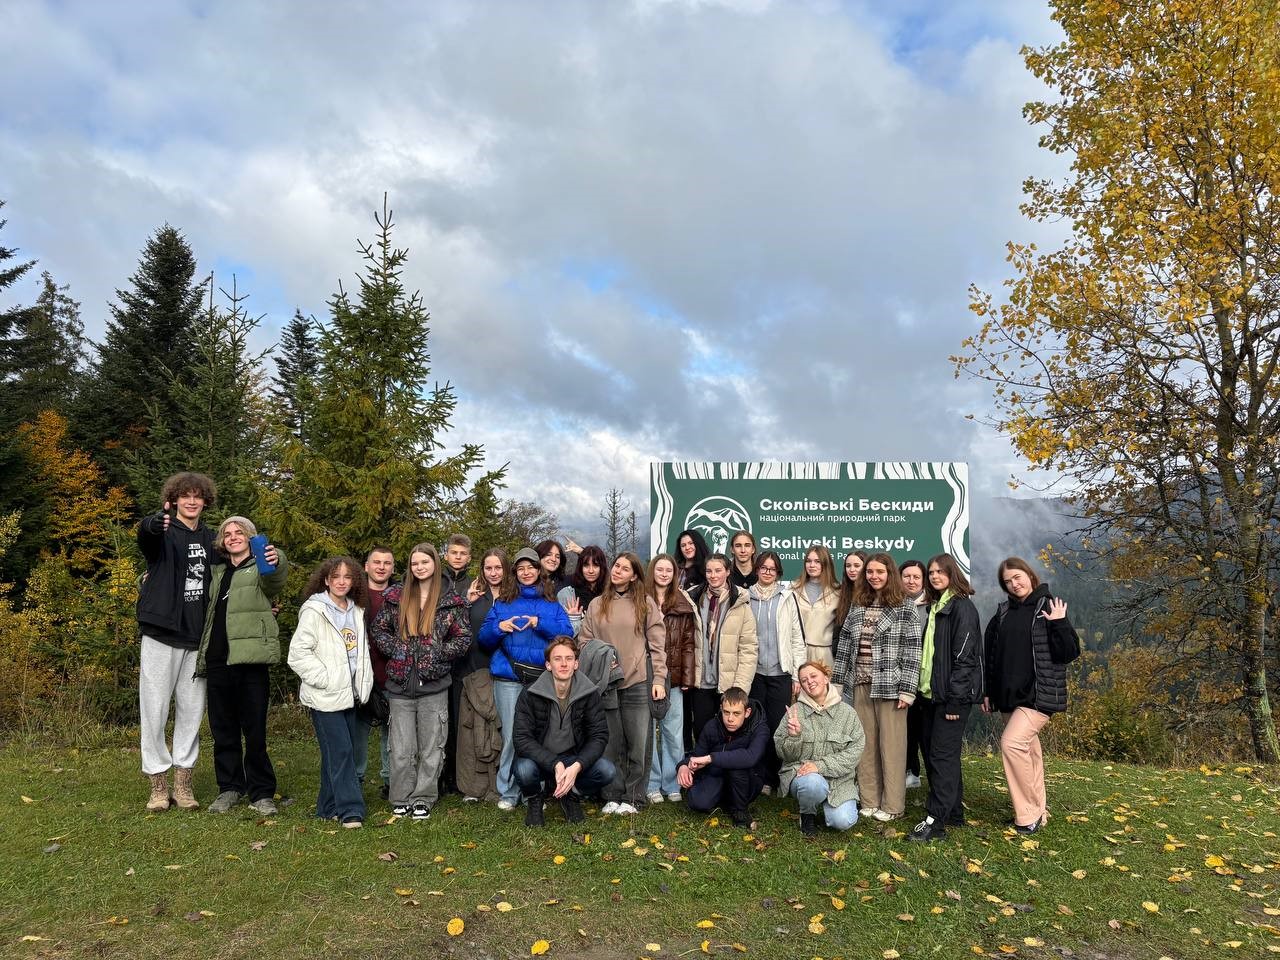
(681, 230)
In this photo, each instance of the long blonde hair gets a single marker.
(827, 577)
(416, 617)
(639, 593)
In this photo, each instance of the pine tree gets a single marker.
(368, 471)
(219, 423)
(42, 362)
(147, 349)
(297, 363)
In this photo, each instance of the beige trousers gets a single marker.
(882, 771)
(1024, 764)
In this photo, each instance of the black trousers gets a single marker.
(731, 789)
(705, 703)
(448, 773)
(774, 693)
(237, 698)
(915, 734)
(943, 740)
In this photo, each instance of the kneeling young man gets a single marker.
(726, 767)
(560, 733)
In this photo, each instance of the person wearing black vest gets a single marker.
(1028, 644)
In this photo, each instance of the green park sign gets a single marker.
(903, 509)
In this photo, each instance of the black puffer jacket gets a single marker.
(743, 749)
(537, 709)
(1054, 644)
(956, 676)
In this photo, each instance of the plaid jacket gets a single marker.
(895, 653)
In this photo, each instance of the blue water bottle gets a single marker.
(258, 544)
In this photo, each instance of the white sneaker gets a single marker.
(675, 797)
(506, 805)
(913, 781)
(868, 812)
(610, 807)
(883, 816)
(655, 797)
(626, 808)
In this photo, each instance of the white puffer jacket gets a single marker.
(318, 655)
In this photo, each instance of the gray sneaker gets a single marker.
(266, 807)
(225, 801)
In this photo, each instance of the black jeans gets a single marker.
(731, 789)
(943, 740)
(237, 697)
(915, 735)
(705, 703)
(774, 694)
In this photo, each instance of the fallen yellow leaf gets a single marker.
(455, 926)
(1079, 874)
(539, 947)
(706, 924)
(706, 946)
(558, 859)
(891, 955)
(740, 948)
(1213, 860)
(1150, 906)
(837, 903)
(502, 906)
(403, 892)
(1033, 941)
(653, 947)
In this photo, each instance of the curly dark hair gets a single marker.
(359, 585)
(189, 482)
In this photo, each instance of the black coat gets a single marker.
(956, 676)
(743, 749)
(160, 596)
(1054, 644)
(534, 712)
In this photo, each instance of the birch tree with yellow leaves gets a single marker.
(1139, 361)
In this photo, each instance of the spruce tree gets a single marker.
(147, 349)
(9, 275)
(297, 363)
(369, 470)
(219, 422)
(43, 358)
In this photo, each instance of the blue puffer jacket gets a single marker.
(524, 646)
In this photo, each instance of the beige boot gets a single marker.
(183, 794)
(159, 799)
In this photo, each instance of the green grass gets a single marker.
(199, 885)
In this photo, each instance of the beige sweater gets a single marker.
(619, 631)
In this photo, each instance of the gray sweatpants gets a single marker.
(419, 727)
(167, 674)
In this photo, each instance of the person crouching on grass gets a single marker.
(560, 736)
(727, 766)
(330, 654)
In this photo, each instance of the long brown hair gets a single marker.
(1016, 563)
(359, 594)
(416, 617)
(507, 575)
(639, 593)
(959, 584)
(828, 575)
(846, 588)
(511, 588)
(891, 594)
(673, 590)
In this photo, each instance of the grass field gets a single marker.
(1135, 863)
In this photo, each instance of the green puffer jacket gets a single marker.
(253, 636)
(831, 737)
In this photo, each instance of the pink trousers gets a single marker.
(1024, 764)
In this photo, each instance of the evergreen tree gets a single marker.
(9, 275)
(43, 360)
(297, 363)
(219, 423)
(369, 470)
(147, 349)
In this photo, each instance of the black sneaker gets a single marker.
(809, 824)
(927, 830)
(385, 791)
(533, 816)
(400, 809)
(741, 819)
(572, 808)
(421, 810)
(1029, 828)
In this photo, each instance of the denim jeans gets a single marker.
(363, 730)
(533, 778)
(340, 794)
(668, 746)
(630, 752)
(505, 695)
(812, 789)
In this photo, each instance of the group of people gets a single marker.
(699, 677)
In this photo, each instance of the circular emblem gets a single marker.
(718, 519)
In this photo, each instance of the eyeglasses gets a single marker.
(766, 568)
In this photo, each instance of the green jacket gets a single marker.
(830, 736)
(252, 633)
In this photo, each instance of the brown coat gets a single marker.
(681, 622)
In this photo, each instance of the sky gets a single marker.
(645, 230)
